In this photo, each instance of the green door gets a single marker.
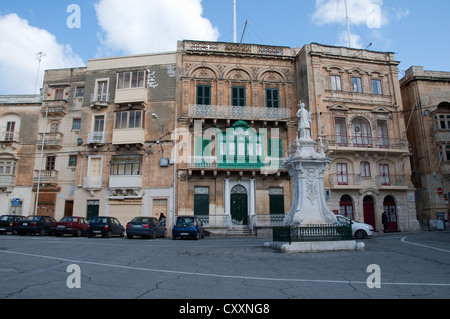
(201, 204)
(239, 211)
(92, 209)
(276, 203)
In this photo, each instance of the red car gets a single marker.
(76, 226)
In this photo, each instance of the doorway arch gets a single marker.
(391, 210)
(369, 211)
(239, 204)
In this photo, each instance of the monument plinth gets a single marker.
(306, 164)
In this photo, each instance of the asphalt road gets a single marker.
(402, 265)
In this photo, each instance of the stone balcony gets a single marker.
(128, 137)
(52, 140)
(367, 143)
(247, 113)
(95, 138)
(54, 108)
(131, 96)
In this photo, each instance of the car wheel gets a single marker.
(78, 234)
(129, 236)
(164, 234)
(109, 234)
(122, 234)
(360, 234)
(173, 237)
(42, 232)
(197, 236)
(153, 236)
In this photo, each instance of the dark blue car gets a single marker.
(188, 226)
(148, 227)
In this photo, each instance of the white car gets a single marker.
(359, 230)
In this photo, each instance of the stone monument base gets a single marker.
(316, 246)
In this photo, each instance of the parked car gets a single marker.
(35, 225)
(76, 226)
(8, 223)
(188, 226)
(146, 227)
(105, 226)
(359, 230)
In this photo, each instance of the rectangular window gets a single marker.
(336, 83)
(72, 160)
(203, 94)
(126, 165)
(342, 174)
(238, 96)
(341, 132)
(365, 169)
(80, 92)
(383, 134)
(59, 94)
(272, 98)
(376, 85)
(102, 91)
(50, 163)
(129, 80)
(10, 128)
(76, 124)
(7, 167)
(357, 85)
(99, 122)
(384, 175)
(128, 119)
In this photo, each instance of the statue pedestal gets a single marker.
(306, 166)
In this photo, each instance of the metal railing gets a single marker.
(368, 142)
(312, 233)
(239, 112)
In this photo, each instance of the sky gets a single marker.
(70, 32)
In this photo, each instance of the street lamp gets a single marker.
(156, 118)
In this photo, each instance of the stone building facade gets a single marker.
(356, 106)
(221, 117)
(426, 101)
(19, 115)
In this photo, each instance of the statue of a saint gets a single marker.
(304, 122)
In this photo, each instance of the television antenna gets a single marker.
(39, 57)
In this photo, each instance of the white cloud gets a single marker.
(143, 26)
(368, 12)
(19, 46)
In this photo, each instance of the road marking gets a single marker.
(425, 246)
(346, 282)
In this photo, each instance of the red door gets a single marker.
(369, 211)
(391, 209)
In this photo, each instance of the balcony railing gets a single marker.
(96, 138)
(52, 140)
(235, 162)
(238, 48)
(7, 136)
(99, 100)
(239, 112)
(346, 180)
(46, 176)
(55, 108)
(341, 141)
(391, 180)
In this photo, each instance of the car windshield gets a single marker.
(343, 220)
(68, 219)
(185, 221)
(99, 220)
(6, 218)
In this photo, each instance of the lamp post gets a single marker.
(40, 165)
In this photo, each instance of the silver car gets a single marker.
(359, 230)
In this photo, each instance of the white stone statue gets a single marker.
(304, 122)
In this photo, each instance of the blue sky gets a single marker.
(417, 31)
